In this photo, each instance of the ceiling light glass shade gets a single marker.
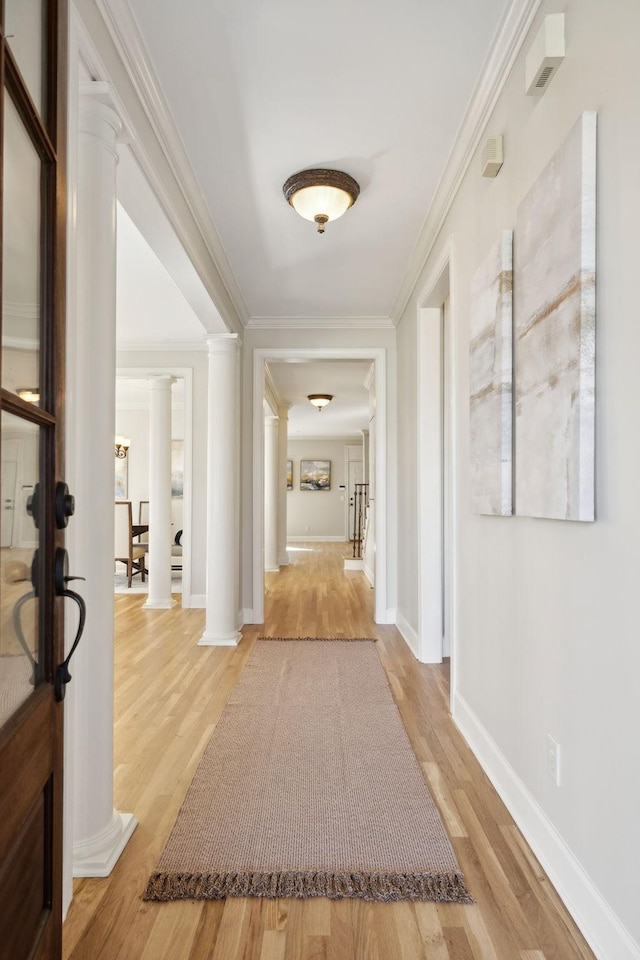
(30, 394)
(321, 195)
(320, 400)
(330, 202)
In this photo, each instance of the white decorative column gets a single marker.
(99, 832)
(160, 495)
(271, 494)
(223, 493)
(283, 438)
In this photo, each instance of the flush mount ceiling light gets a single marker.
(320, 400)
(30, 394)
(321, 195)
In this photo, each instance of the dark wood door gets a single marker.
(32, 167)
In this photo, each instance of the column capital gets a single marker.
(99, 114)
(161, 382)
(283, 410)
(228, 343)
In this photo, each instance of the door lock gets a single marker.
(65, 504)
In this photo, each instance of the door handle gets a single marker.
(17, 613)
(62, 579)
(33, 505)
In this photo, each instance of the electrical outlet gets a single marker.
(553, 759)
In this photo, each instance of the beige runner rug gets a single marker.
(309, 788)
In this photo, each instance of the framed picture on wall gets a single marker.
(289, 474)
(121, 478)
(315, 474)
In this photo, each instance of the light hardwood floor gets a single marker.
(169, 695)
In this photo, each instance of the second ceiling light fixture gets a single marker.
(321, 195)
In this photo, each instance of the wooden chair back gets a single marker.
(143, 517)
(123, 543)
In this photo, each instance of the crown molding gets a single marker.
(21, 343)
(346, 438)
(159, 346)
(508, 41)
(270, 390)
(127, 38)
(24, 311)
(368, 381)
(320, 323)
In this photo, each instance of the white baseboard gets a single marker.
(158, 604)
(248, 616)
(272, 569)
(351, 563)
(607, 936)
(198, 601)
(219, 640)
(409, 635)
(97, 856)
(283, 559)
(368, 572)
(388, 616)
(314, 538)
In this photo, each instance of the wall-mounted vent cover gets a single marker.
(545, 56)
(492, 157)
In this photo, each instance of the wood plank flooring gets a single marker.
(169, 695)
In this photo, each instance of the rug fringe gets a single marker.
(385, 887)
(326, 639)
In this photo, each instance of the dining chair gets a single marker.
(125, 550)
(143, 517)
(176, 545)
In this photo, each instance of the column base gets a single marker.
(209, 639)
(158, 604)
(97, 856)
(283, 559)
(272, 569)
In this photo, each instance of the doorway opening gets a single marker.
(436, 468)
(132, 473)
(379, 553)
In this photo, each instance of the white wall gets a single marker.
(547, 635)
(20, 369)
(318, 513)
(133, 422)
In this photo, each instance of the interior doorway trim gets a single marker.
(124, 372)
(313, 354)
(431, 448)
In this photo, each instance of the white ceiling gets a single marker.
(260, 90)
(348, 412)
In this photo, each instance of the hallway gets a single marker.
(169, 696)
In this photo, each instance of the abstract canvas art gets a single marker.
(490, 380)
(554, 290)
(315, 474)
(121, 477)
(289, 474)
